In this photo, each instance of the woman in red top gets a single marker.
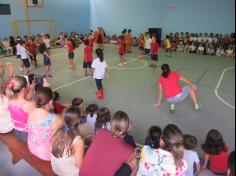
(122, 51)
(169, 82)
(108, 150)
(141, 42)
(71, 54)
(88, 58)
(31, 47)
(154, 52)
(216, 152)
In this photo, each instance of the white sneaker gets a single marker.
(125, 63)
(197, 107)
(172, 108)
(120, 64)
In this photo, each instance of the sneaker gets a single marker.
(125, 63)
(120, 64)
(197, 107)
(172, 108)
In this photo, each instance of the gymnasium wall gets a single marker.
(216, 16)
(70, 15)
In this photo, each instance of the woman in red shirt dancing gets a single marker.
(169, 82)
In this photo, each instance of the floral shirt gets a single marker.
(157, 162)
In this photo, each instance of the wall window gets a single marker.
(5, 9)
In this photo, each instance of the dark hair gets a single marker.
(63, 137)
(43, 96)
(173, 139)
(129, 31)
(103, 117)
(72, 41)
(56, 96)
(86, 42)
(91, 109)
(190, 142)
(99, 53)
(155, 133)
(214, 143)
(42, 48)
(231, 164)
(165, 70)
(77, 102)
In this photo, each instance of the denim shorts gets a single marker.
(181, 97)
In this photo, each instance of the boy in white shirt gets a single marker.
(190, 156)
(25, 58)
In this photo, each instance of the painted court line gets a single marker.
(202, 75)
(74, 82)
(218, 86)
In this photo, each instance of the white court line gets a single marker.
(136, 68)
(87, 77)
(218, 86)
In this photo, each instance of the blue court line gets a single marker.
(202, 75)
(210, 87)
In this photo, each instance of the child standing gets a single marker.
(190, 156)
(128, 41)
(122, 51)
(168, 46)
(31, 47)
(154, 52)
(25, 58)
(88, 58)
(100, 70)
(148, 42)
(141, 46)
(46, 59)
(71, 54)
(216, 152)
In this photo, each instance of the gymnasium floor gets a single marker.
(133, 89)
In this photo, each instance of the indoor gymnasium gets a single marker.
(117, 88)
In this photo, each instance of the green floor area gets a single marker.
(133, 89)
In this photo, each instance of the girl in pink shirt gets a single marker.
(174, 93)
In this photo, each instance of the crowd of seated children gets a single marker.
(58, 139)
(204, 44)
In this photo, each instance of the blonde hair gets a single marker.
(15, 86)
(120, 124)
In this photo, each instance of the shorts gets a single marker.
(87, 65)
(154, 57)
(71, 55)
(18, 56)
(22, 136)
(147, 51)
(181, 97)
(26, 63)
(33, 58)
(141, 48)
(47, 61)
(121, 53)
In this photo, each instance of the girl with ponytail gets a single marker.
(167, 160)
(100, 70)
(169, 82)
(68, 145)
(42, 124)
(19, 107)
